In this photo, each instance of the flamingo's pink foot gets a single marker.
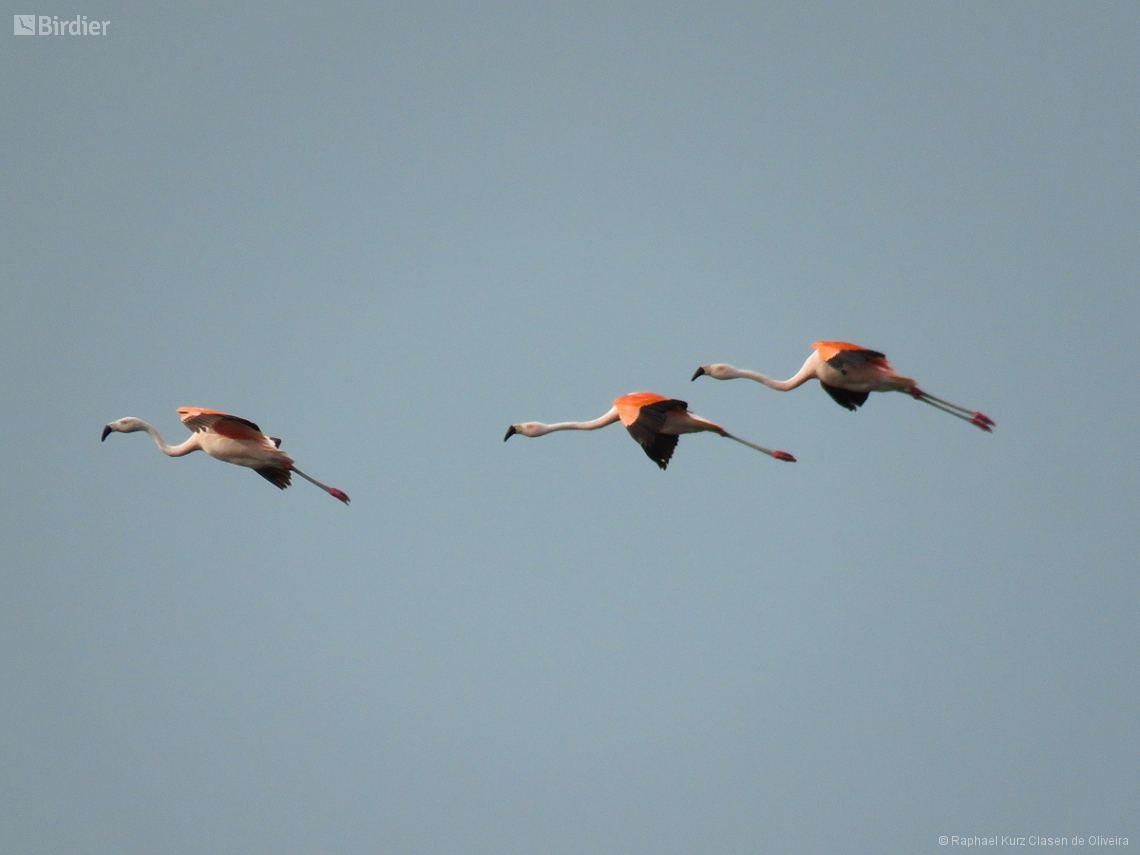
(783, 455)
(338, 494)
(983, 421)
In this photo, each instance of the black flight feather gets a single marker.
(854, 358)
(647, 430)
(845, 397)
(275, 475)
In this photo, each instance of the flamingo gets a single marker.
(229, 438)
(653, 420)
(848, 373)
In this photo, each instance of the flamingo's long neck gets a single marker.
(745, 374)
(172, 450)
(608, 419)
(806, 372)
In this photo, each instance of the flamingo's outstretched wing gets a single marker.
(234, 427)
(845, 397)
(843, 354)
(277, 476)
(646, 429)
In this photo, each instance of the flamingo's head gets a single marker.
(717, 371)
(126, 425)
(526, 429)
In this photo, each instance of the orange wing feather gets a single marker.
(234, 429)
(223, 424)
(185, 413)
(629, 406)
(828, 350)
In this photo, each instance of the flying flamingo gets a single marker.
(848, 373)
(229, 438)
(653, 420)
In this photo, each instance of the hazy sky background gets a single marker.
(384, 232)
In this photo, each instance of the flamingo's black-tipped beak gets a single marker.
(510, 432)
(106, 431)
(697, 374)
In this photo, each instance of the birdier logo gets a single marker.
(51, 25)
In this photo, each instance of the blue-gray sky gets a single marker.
(385, 233)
